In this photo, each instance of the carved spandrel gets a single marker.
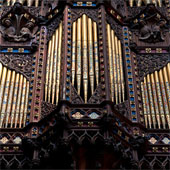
(115, 26)
(19, 63)
(91, 13)
(149, 63)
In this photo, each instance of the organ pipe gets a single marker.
(90, 45)
(85, 57)
(78, 73)
(29, 3)
(139, 2)
(59, 62)
(155, 96)
(53, 67)
(13, 98)
(73, 68)
(96, 53)
(115, 66)
(110, 60)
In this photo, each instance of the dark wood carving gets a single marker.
(53, 25)
(91, 13)
(19, 63)
(47, 108)
(119, 6)
(96, 98)
(150, 63)
(75, 98)
(123, 108)
(17, 25)
(115, 26)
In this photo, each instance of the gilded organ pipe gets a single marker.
(121, 72)
(5, 97)
(59, 62)
(151, 101)
(91, 57)
(85, 56)
(155, 101)
(144, 105)
(22, 102)
(96, 53)
(115, 67)
(47, 70)
(78, 73)
(110, 60)
(157, 87)
(139, 2)
(10, 98)
(73, 68)
(53, 67)
(12, 94)
(18, 100)
(54, 72)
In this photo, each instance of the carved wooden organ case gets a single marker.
(84, 78)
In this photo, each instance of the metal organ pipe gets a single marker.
(29, 3)
(139, 2)
(85, 59)
(115, 67)
(157, 103)
(53, 67)
(14, 98)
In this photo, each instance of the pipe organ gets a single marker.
(85, 58)
(117, 89)
(14, 89)
(28, 3)
(53, 67)
(139, 2)
(156, 98)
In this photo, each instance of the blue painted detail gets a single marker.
(130, 79)
(126, 39)
(131, 92)
(4, 50)
(127, 55)
(128, 61)
(74, 4)
(132, 99)
(130, 86)
(133, 113)
(15, 51)
(129, 73)
(26, 51)
(134, 119)
(129, 67)
(67, 98)
(132, 106)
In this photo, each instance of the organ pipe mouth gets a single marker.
(14, 91)
(156, 98)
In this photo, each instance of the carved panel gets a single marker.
(53, 25)
(123, 108)
(115, 26)
(75, 98)
(18, 25)
(92, 13)
(119, 6)
(46, 108)
(19, 63)
(150, 63)
(97, 97)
